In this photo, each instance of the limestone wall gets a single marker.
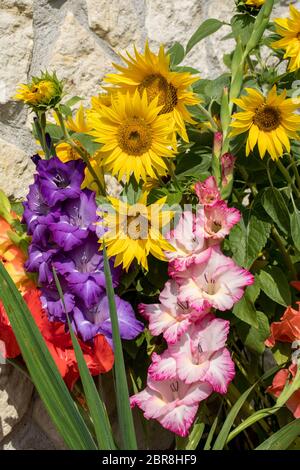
(79, 39)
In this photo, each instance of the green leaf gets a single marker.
(224, 432)
(245, 309)
(266, 412)
(43, 370)
(246, 242)
(275, 285)
(283, 438)
(176, 53)
(295, 227)
(281, 353)
(207, 28)
(5, 207)
(95, 403)
(121, 386)
(212, 430)
(72, 101)
(54, 131)
(87, 142)
(192, 440)
(242, 26)
(254, 338)
(275, 206)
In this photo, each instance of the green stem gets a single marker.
(295, 170)
(284, 252)
(209, 117)
(42, 121)
(173, 176)
(252, 186)
(287, 176)
(81, 152)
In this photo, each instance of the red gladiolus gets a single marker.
(98, 356)
(278, 385)
(11, 348)
(287, 330)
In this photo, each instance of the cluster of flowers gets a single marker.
(61, 218)
(98, 355)
(196, 361)
(287, 330)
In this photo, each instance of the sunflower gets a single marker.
(270, 122)
(289, 29)
(134, 231)
(152, 73)
(102, 99)
(41, 93)
(255, 3)
(136, 138)
(35, 93)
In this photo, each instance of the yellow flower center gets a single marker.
(267, 118)
(157, 85)
(135, 136)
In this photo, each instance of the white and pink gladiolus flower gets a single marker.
(199, 356)
(172, 402)
(216, 280)
(188, 240)
(170, 317)
(207, 191)
(219, 220)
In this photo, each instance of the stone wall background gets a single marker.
(79, 39)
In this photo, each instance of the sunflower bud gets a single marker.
(41, 93)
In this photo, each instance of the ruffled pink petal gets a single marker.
(219, 220)
(221, 371)
(208, 191)
(188, 371)
(212, 332)
(163, 367)
(180, 419)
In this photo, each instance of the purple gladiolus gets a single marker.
(78, 220)
(62, 221)
(60, 181)
(96, 319)
(36, 210)
(52, 302)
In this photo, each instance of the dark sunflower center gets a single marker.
(157, 85)
(135, 136)
(267, 118)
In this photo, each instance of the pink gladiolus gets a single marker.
(170, 317)
(218, 141)
(208, 191)
(227, 165)
(219, 220)
(199, 356)
(188, 240)
(217, 280)
(172, 402)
